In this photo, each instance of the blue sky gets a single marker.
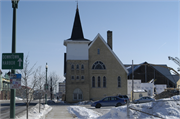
(142, 30)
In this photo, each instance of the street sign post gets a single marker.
(12, 60)
(15, 81)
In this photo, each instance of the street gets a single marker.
(20, 107)
(60, 111)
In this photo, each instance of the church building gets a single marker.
(91, 68)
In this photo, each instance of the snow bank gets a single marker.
(162, 108)
(34, 112)
(16, 98)
(82, 112)
(84, 103)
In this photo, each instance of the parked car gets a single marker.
(144, 99)
(109, 101)
(125, 97)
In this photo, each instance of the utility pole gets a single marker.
(132, 81)
(13, 91)
(51, 88)
(46, 85)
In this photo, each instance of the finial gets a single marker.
(77, 4)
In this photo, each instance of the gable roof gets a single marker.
(160, 68)
(98, 35)
(77, 32)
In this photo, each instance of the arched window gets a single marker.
(82, 67)
(119, 81)
(99, 81)
(77, 94)
(77, 77)
(82, 77)
(72, 67)
(104, 81)
(77, 67)
(93, 81)
(72, 77)
(98, 65)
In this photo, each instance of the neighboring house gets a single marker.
(91, 68)
(62, 88)
(4, 87)
(178, 84)
(149, 87)
(146, 72)
(176, 78)
(0, 81)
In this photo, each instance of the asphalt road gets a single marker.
(19, 108)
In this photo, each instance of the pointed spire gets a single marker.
(77, 5)
(77, 32)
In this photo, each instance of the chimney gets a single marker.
(109, 38)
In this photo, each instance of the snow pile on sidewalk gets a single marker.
(16, 98)
(82, 112)
(84, 103)
(34, 112)
(160, 108)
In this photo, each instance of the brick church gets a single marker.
(91, 68)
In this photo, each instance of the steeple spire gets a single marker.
(77, 32)
(77, 5)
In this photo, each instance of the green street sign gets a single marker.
(12, 60)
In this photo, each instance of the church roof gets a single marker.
(77, 32)
(119, 61)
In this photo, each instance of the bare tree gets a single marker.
(55, 78)
(39, 93)
(27, 88)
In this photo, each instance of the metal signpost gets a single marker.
(12, 61)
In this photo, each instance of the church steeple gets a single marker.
(77, 32)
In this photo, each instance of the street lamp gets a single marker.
(46, 85)
(13, 91)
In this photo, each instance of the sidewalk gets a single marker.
(59, 112)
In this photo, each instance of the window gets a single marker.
(119, 81)
(77, 67)
(80, 96)
(99, 81)
(113, 98)
(98, 65)
(72, 77)
(82, 67)
(72, 67)
(77, 77)
(98, 51)
(82, 77)
(106, 99)
(104, 81)
(77, 94)
(93, 81)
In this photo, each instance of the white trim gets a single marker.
(98, 35)
(76, 42)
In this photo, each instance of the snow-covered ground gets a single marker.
(34, 112)
(16, 98)
(84, 103)
(160, 108)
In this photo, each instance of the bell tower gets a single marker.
(76, 63)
